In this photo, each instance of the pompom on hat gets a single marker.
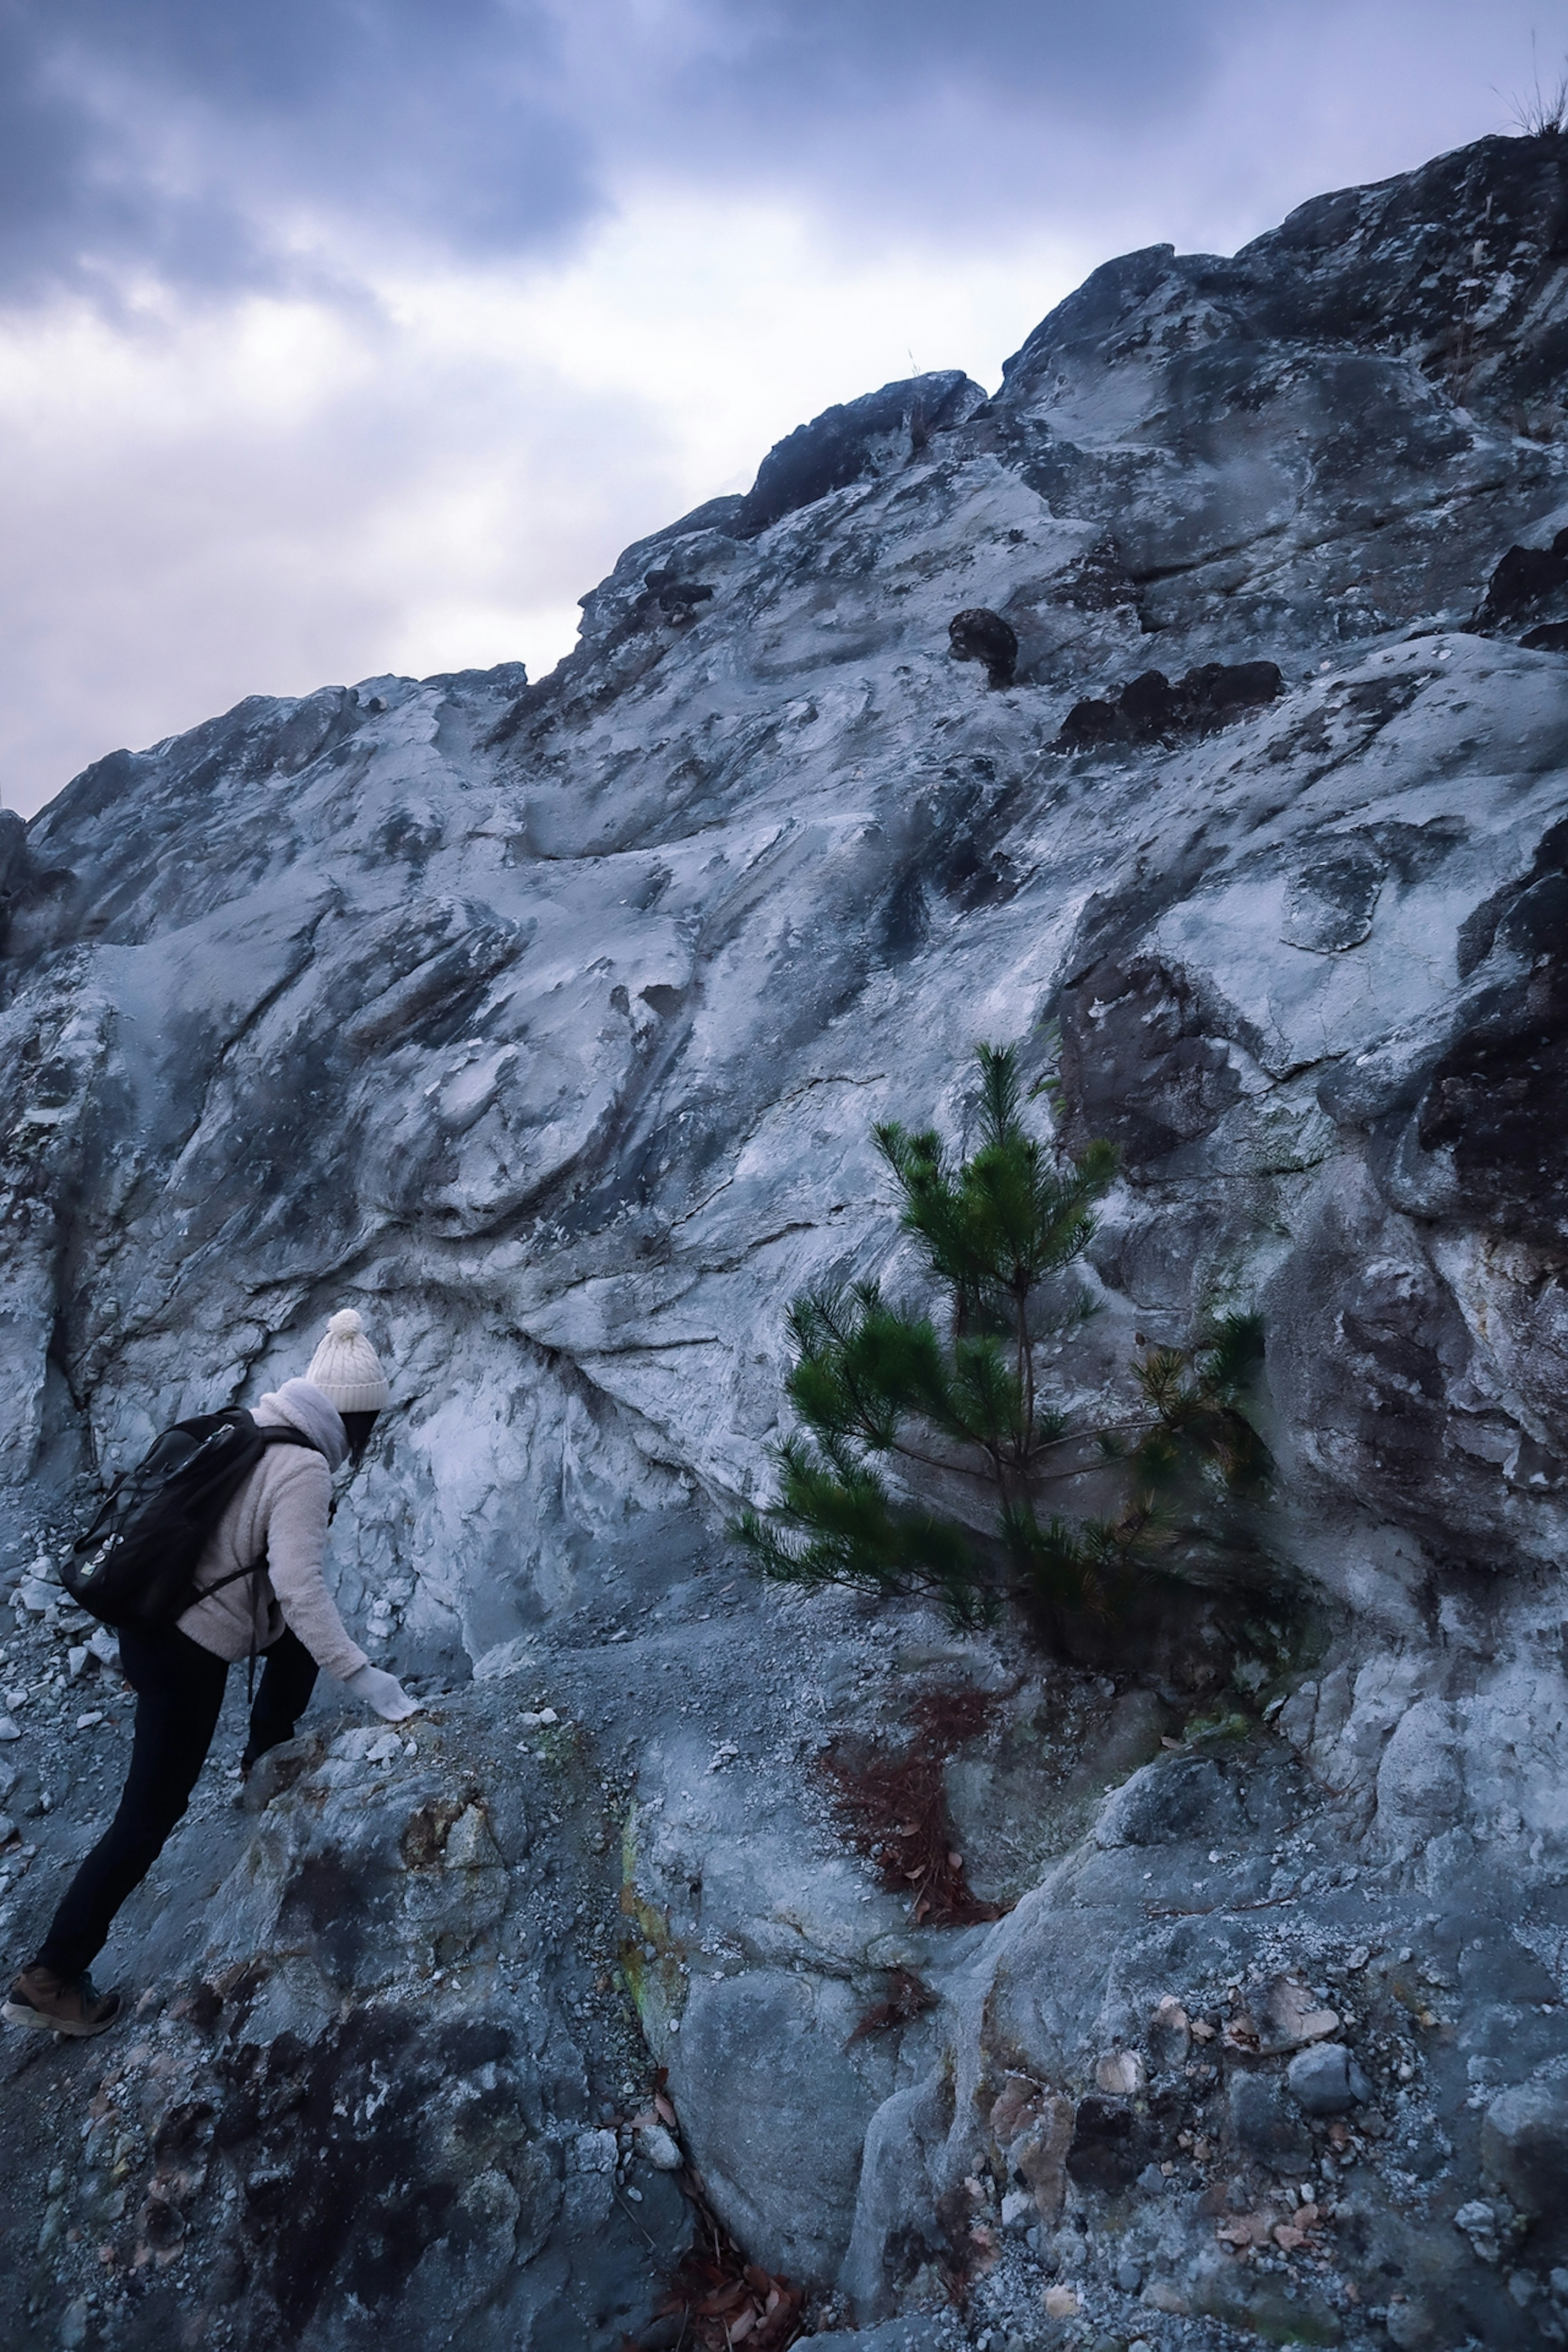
(346, 1367)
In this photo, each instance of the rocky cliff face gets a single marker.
(548, 1025)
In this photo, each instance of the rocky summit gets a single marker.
(548, 1024)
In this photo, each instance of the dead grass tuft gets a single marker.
(720, 2299)
(717, 2298)
(1541, 110)
(893, 1809)
(946, 1719)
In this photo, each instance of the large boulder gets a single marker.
(1524, 2148)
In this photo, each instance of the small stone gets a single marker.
(8, 1730)
(1520, 2286)
(1061, 2303)
(86, 1722)
(353, 1746)
(659, 2149)
(1170, 2035)
(1326, 2081)
(1121, 2074)
(1017, 2208)
(1478, 2223)
(1129, 2275)
(1291, 2017)
(594, 2151)
(77, 1658)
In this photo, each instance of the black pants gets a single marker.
(179, 1690)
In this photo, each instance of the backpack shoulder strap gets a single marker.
(289, 1437)
(267, 1437)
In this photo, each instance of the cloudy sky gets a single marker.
(344, 336)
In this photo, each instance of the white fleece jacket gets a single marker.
(281, 1510)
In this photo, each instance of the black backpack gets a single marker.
(136, 1565)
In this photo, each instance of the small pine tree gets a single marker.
(878, 1382)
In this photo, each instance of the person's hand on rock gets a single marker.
(384, 1691)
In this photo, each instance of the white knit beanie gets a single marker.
(346, 1369)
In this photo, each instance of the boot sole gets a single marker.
(16, 2013)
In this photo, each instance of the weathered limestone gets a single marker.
(548, 1024)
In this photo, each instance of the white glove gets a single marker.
(384, 1691)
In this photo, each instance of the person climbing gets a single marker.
(274, 1526)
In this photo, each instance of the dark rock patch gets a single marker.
(674, 596)
(1143, 1061)
(1480, 932)
(979, 635)
(23, 881)
(1325, 2080)
(1150, 709)
(1265, 2128)
(1522, 578)
(1494, 1100)
(1330, 906)
(1112, 2143)
(1089, 723)
(347, 2143)
(849, 442)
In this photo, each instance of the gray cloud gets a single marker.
(207, 496)
(236, 145)
(399, 509)
(814, 57)
(220, 146)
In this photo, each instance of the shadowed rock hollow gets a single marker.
(548, 1024)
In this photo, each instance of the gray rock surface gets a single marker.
(892, 2336)
(548, 1025)
(1524, 2148)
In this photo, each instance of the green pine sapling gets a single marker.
(874, 1383)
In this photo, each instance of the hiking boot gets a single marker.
(56, 2004)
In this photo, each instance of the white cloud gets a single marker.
(278, 495)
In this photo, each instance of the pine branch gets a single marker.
(872, 1378)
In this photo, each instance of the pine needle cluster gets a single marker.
(891, 1408)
